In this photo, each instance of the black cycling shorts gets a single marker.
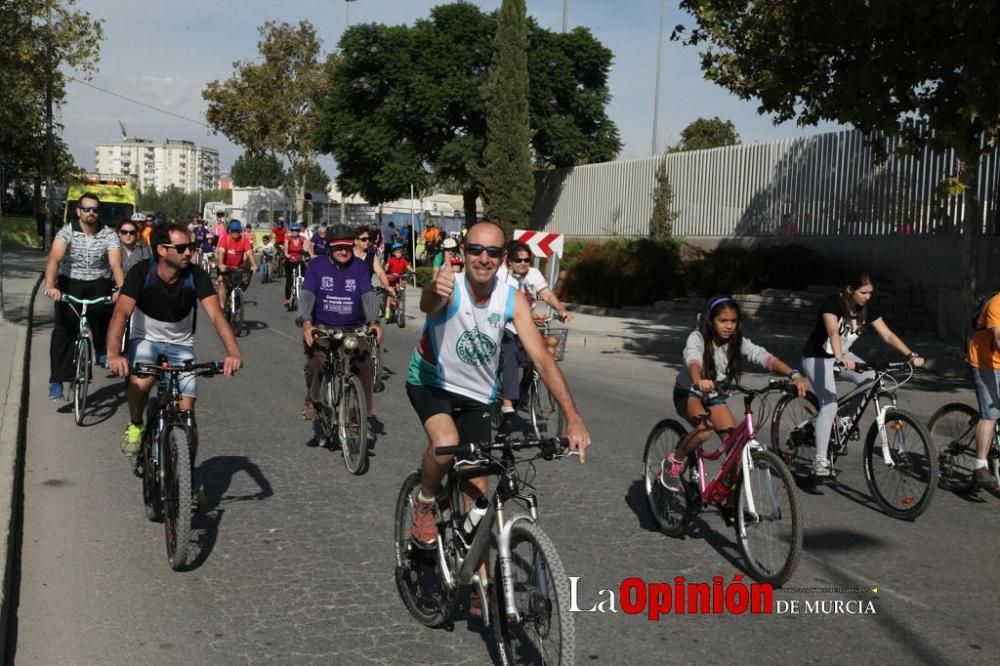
(472, 418)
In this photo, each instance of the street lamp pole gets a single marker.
(343, 203)
(565, 15)
(656, 94)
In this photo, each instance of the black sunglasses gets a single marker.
(475, 249)
(127, 232)
(180, 247)
(364, 239)
(525, 260)
(88, 209)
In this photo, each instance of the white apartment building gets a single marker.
(176, 162)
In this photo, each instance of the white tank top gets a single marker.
(459, 350)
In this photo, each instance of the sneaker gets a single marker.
(672, 479)
(375, 427)
(984, 479)
(822, 468)
(308, 410)
(132, 438)
(424, 531)
(55, 391)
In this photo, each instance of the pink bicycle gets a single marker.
(752, 488)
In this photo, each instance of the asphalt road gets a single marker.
(294, 558)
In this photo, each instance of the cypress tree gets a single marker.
(661, 224)
(508, 182)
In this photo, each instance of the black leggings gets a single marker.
(67, 325)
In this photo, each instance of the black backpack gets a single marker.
(980, 306)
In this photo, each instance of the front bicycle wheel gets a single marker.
(401, 307)
(417, 575)
(83, 357)
(176, 461)
(378, 364)
(669, 508)
(793, 432)
(769, 520)
(326, 414)
(151, 499)
(900, 465)
(953, 430)
(539, 628)
(238, 311)
(353, 422)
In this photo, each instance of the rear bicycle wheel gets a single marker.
(793, 432)
(353, 426)
(417, 573)
(770, 537)
(670, 509)
(401, 306)
(555, 421)
(83, 357)
(953, 430)
(534, 402)
(544, 632)
(902, 477)
(378, 364)
(151, 500)
(176, 461)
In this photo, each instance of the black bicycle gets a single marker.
(900, 463)
(342, 409)
(165, 461)
(528, 605)
(953, 429)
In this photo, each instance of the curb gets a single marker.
(13, 438)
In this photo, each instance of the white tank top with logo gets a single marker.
(459, 349)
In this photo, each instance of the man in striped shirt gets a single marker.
(84, 258)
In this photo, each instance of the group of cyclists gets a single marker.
(479, 328)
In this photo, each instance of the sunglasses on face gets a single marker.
(523, 260)
(127, 232)
(364, 239)
(341, 248)
(475, 249)
(180, 247)
(88, 209)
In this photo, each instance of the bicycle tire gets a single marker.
(793, 432)
(534, 403)
(176, 461)
(545, 632)
(914, 471)
(417, 576)
(353, 426)
(378, 364)
(326, 410)
(238, 304)
(401, 307)
(671, 511)
(151, 502)
(555, 418)
(953, 430)
(81, 381)
(772, 545)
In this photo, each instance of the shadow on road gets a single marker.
(838, 541)
(216, 475)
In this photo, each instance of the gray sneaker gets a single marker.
(984, 479)
(822, 469)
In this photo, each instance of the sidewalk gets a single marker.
(22, 268)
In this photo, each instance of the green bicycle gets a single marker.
(83, 353)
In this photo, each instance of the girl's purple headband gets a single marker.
(724, 299)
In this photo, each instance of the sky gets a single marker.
(164, 53)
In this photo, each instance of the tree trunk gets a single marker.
(469, 196)
(972, 227)
(300, 199)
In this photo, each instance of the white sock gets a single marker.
(420, 496)
(980, 463)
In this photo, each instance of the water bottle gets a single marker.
(475, 514)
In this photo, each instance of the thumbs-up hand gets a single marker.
(444, 283)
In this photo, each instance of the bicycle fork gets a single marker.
(880, 413)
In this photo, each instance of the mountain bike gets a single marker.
(83, 353)
(752, 488)
(900, 463)
(165, 461)
(544, 412)
(297, 280)
(234, 300)
(529, 605)
(953, 430)
(342, 409)
(394, 309)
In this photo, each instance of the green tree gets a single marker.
(272, 107)
(177, 204)
(410, 106)
(508, 181)
(661, 223)
(251, 170)
(316, 178)
(33, 53)
(875, 65)
(707, 133)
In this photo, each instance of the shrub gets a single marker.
(744, 270)
(572, 250)
(423, 275)
(624, 272)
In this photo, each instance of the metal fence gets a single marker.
(829, 184)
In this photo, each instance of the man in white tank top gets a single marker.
(452, 379)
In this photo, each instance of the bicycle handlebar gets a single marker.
(85, 301)
(773, 384)
(550, 447)
(144, 369)
(879, 367)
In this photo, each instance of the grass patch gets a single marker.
(19, 231)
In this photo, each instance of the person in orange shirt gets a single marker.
(983, 357)
(147, 230)
(432, 238)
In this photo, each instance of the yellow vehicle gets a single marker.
(115, 193)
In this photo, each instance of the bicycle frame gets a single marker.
(736, 448)
(868, 392)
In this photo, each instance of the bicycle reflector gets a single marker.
(351, 342)
(896, 425)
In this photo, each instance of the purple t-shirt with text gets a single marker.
(338, 291)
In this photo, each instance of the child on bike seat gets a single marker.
(714, 354)
(267, 248)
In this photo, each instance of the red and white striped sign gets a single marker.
(542, 244)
